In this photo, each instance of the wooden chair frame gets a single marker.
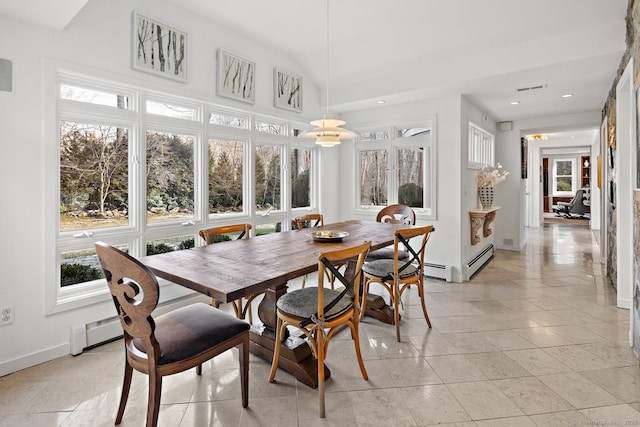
(126, 277)
(320, 330)
(394, 283)
(241, 306)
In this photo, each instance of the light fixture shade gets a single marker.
(328, 132)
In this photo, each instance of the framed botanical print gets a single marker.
(236, 77)
(158, 48)
(287, 90)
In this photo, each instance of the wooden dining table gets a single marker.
(231, 270)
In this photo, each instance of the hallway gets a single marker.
(534, 339)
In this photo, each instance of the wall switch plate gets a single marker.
(6, 315)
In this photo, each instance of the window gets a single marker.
(226, 189)
(563, 176)
(145, 171)
(480, 147)
(397, 167)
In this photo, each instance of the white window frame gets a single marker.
(480, 147)
(137, 121)
(574, 176)
(392, 145)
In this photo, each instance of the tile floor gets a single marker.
(533, 340)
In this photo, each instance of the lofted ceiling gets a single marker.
(406, 50)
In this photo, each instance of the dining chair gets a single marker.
(397, 275)
(309, 221)
(170, 343)
(225, 233)
(320, 312)
(395, 214)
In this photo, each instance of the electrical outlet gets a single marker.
(6, 315)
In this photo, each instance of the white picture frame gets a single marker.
(287, 90)
(170, 60)
(236, 77)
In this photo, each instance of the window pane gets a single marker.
(269, 127)
(563, 168)
(92, 96)
(563, 183)
(411, 132)
(268, 177)
(225, 176)
(374, 135)
(170, 177)
(411, 177)
(170, 244)
(263, 229)
(229, 120)
(94, 178)
(172, 110)
(300, 174)
(373, 177)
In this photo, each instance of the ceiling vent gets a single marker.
(524, 89)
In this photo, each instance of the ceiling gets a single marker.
(406, 50)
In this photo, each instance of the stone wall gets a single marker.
(609, 111)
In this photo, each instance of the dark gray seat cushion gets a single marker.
(384, 267)
(386, 253)
(190, 330)
(303, 303)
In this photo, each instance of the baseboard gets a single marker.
(32, 359)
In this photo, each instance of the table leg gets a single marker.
(376, 307)
(296, 356)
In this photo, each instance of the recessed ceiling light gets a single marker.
(380, 101)
(567, 95)
(515, 102)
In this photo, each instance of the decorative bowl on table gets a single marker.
(328, 236)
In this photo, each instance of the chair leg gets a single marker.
(153, 405)
(424, 307)
(244, 370)
(276, 350)
(199, 369)
(395, 295)
(363, 299)
(126, 386)
(320, 350)
(304, 280)
(356, 341)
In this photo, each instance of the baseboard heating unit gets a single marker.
(438, 271)
(478, 262)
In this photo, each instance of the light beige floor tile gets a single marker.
(532, 396)
(506, 340)
(411, 372)
(351, 377)
(496, 365)
(215, 414)
(389, 348)
(471, 342)
(537, 362)
(381, 407)
(609, 331)
(542, 337)
(613, 415)
(455, 368)
(578, 391)
(576, 334)
(338, 411)
(619, 353)
(268, 411)
(433, 404)
(507, 422)
(483, 400)
(433, 343)
(577, 358)
(45, 419)
(560, 419)
(623, 383)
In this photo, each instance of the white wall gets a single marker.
(98, 39)
(445, 245)
(511, 233)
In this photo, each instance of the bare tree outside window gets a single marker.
(300, 178)
(373, 177)
(93, 176)
(268, 177)
(411, 177)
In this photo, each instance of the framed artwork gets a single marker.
(287, 90)
(524, 154)
(158, 48)
(236, 77)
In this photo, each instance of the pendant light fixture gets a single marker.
(328, 132)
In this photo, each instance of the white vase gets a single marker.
(485, 194)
